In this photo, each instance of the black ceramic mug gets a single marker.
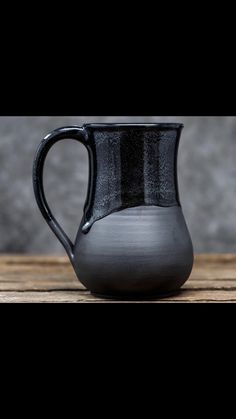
(133, 240)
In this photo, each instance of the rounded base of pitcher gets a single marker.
(137, 297)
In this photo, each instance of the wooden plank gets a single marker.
(12, 259)
(55, 259)
(79, 297)
(215, 257)
(45, 297)
(42, 278)
(37, 273)
(48, 283)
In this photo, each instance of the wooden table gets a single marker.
(49, 279)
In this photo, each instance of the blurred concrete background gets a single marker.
(207, 181)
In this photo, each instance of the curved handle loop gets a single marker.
(76, 133)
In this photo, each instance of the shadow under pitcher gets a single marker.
(133, 241)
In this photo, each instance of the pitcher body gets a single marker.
(133, 240)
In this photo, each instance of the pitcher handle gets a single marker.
(76, 133)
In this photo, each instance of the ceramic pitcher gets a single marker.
(133, 241)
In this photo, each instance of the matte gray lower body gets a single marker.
(138, 252)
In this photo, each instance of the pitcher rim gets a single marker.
(164, 125)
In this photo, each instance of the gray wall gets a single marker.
(207, 180)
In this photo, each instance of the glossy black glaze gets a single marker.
(130, 165)
(133, 240)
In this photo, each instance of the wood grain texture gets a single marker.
(51, 279)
